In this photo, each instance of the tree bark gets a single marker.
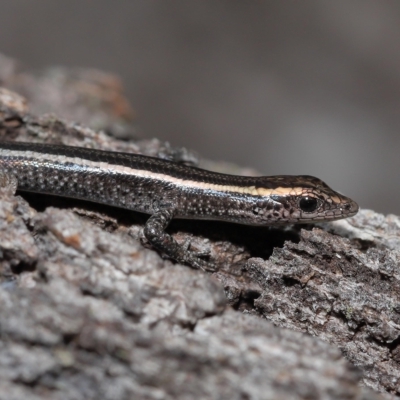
(87, 311)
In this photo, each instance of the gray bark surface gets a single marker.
(87, 311)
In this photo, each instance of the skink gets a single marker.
(168, 190)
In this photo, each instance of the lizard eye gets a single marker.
(308, 204)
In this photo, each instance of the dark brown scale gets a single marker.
(62, 170)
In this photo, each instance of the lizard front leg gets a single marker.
(154, 232)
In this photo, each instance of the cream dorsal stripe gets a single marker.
(168, 190)
(94, 166)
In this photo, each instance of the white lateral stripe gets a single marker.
(183, 183)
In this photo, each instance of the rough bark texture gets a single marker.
(87, 311)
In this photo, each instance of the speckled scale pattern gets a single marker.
(169, 190)
(70, 180)
(148, 184)
(130, 192)
(170, 168)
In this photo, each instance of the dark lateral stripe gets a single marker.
(163, 167)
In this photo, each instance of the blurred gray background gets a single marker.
(286, 87)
